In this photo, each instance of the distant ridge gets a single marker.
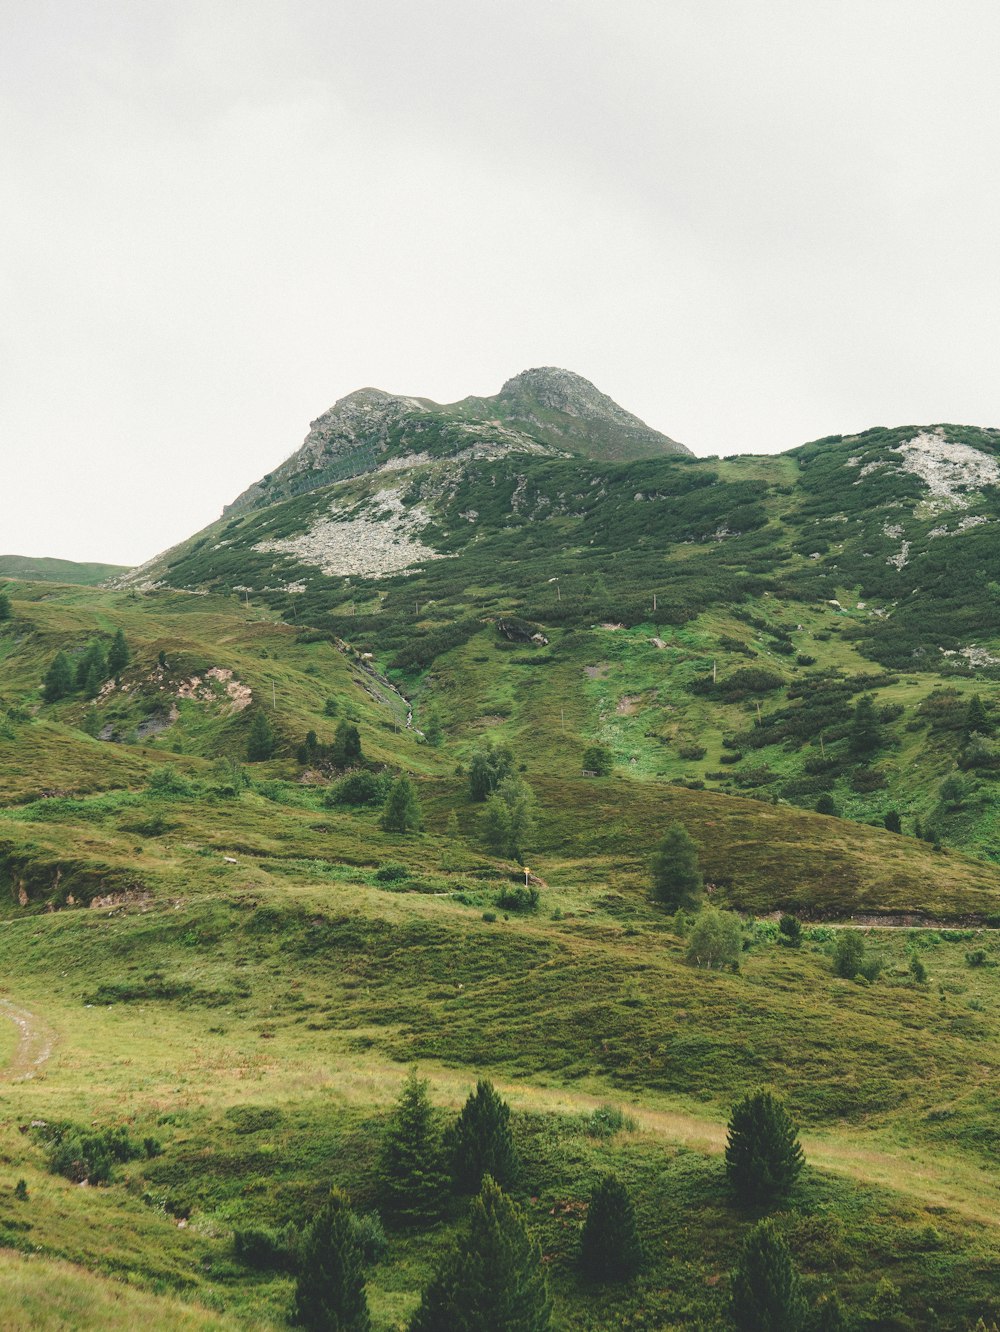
(42, 570)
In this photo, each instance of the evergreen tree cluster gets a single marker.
(93, 667)
(6, 610)
(343, 752)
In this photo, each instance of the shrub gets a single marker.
(519, 897)
(917, 970)
(848, 954)
(598, 759)
(827, 805)
(716, 940)
(790, 931)
(266, 1250)
(976, 957)
(606, 1121)
(763, 1153)
(391, 873)
(357, 788)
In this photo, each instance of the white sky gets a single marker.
(751, 222)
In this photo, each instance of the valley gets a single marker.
(550, 635)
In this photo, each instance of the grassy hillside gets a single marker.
(219, 958)
(58, 571)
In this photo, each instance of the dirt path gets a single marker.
(35, 1042)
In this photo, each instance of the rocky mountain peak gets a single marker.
(563, 391)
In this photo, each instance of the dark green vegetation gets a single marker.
(276, 857)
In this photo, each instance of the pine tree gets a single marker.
(766, 1288)
(92, 665)
(763, 1153)
(346, 749)
(6, 611)
(58, 679)
(330, 1291)
(493, 1279)
(260, 742)
(118, 654)
(677, 880)
(866, 734)
(610, 1247)
(976, 720)
(402, 808)
(412, 1178)
(481, 1142)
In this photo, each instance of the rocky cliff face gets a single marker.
(549, 405)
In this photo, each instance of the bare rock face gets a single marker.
(355, 429)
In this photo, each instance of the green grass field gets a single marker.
(246, 991)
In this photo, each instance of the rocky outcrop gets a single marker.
(370, 429)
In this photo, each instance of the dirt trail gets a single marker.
(35, 1042)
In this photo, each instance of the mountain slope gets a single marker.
(369, 428)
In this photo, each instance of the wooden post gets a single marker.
(758, 712)
(714, 676)
(822, 747)
(654, 601)
(274, 696)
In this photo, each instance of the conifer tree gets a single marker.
(763, 1153)
(866, 734)
(412, 1179)
(481, 1142)
(58, 679)
(6, 611)
(976, 720)
(610, 1247)
(330, 1291)
(402, 808)
(260, 742)
(766, 1288)
(92, 665)
(118, 654)
(346, 749)
(492, 1281)
(677, 880)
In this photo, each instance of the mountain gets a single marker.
(58, 571)
(220, 960)
(730, 613)
(370, 427)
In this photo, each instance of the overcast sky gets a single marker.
(751, 223)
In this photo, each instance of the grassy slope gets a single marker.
(286, 980)
(57, 571)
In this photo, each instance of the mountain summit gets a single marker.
(545, 406)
